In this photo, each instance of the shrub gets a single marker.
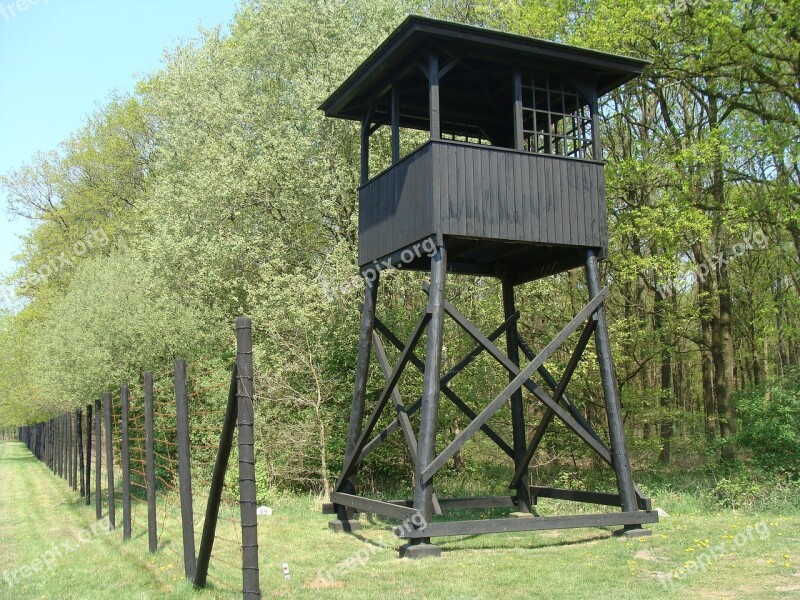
(770, 425)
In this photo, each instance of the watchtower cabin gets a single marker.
(507, 183)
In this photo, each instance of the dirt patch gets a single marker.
(646, 554)
(325, 584)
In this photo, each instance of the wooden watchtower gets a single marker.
(510, 185)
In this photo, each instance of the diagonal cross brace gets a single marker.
(558, 394)
(552, 383)
(408, 351)
(447, 390)
(402, 415)
(570, 421)
(386, 432)
(521, 378)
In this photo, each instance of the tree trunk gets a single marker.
(704, 291)
(724, 356)
(665, 395)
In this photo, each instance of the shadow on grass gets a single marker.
(508, 544)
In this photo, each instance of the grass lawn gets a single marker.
(744, 555)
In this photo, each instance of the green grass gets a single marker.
(37, 510)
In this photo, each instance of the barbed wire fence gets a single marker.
(169, 441)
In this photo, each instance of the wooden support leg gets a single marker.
(616, 431)
(517, 408)
(426, 445)
(344, 520)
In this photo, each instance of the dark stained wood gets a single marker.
(126, 463)
(184, 468)
(449, 504)
(426, 448)
(530, 524)
(385, 509)
(217, 483)
(461, 190)
(558, 392)
(498, 51)
(251, 587)
(351, 461)
(520, 378)
(112, 522)
(150, 462)
(603, 498)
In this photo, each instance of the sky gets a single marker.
(61, 59)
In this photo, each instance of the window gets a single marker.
(463, 132)
(556, 117)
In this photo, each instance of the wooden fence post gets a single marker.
(185, 469)
(56, 446)
(217, 484)
(98, 484)
(112, 519)
(251, 588)
(73, 432)
(61, 446)
(88, 454)
(79, 428)
(68, 447)
(150, 463)
(126, 465)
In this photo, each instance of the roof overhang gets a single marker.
(407, 44)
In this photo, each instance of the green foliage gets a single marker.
(224, 191)
(770, 425)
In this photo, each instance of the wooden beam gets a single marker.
(490, 433)
(433, 82)
(565, 417)
(519, 431)
(402, 416)
(553, 384)
(395, 123)
(367, 505)
(521, 377)
(386, 432)
(454, 60)
(449, 528)
(603, 498)
(446, 389)
(351, 459)
(519, 139)
(559, 392)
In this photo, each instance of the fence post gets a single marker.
(73, 431)
(112, 518)
(98, 484)
(60, 449)
(88, 454)
(247, 467)
(126, 465)
(68, 447)
(150, 462)
(217, 483)
(79, 427)
(185, 469)
(52, 451)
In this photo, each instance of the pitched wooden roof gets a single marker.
(398, 56)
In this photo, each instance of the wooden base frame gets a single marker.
(417, 513)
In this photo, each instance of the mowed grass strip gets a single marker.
(51, 546)
(744, 555)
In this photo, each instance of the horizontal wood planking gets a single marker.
(481, 192)
(395, 207)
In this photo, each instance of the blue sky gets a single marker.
(60, 59)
